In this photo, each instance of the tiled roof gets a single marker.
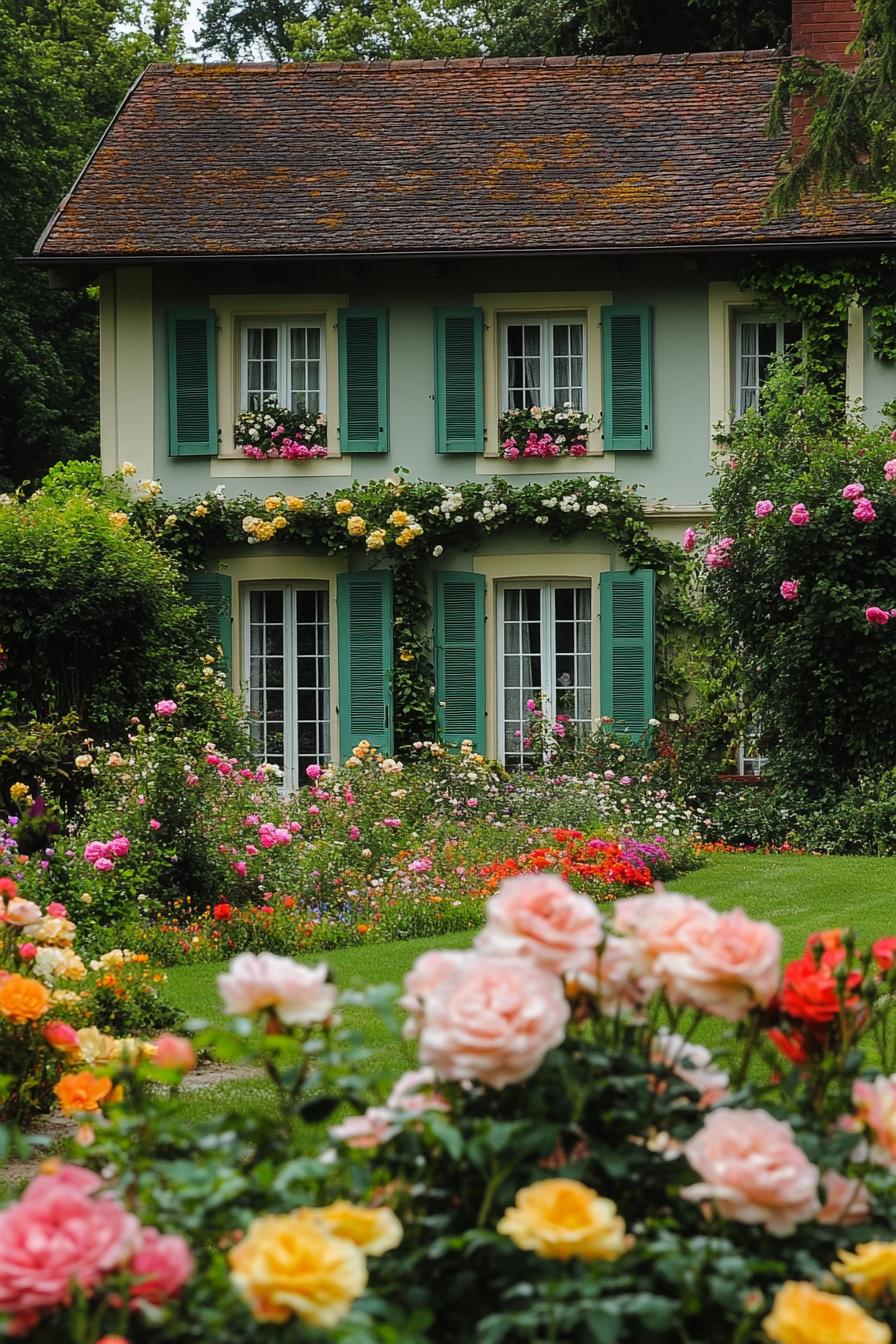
(544, 154)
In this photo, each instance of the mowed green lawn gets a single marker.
(798, 893)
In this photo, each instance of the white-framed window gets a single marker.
(544, 649)
(757, 340)
(286, 638)
(543, 362)
(284, 359)
(750, 760)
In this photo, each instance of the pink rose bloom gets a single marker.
(876, 616)
(691, 1063)
(799, 515)
(723, 965)
(717, 556)
(314, 771)
(21, 912)
(240, 867)
(854, 491)
(300, 995)
(542, 918)
(790, 590)
(375, 1127)
(173, 1052)
(165, 708)
(354, 833)
(104, 865)
(763, 508)
(96, 849)
(27, 951)
(752, 1171)
(875, 1103)
(493, 1020)
(890, 468)
(119, 846)
(154, 825)
(58, 1235)
(659, 925)
(160, 1267)
(428, 972)
(846, 1200)
(414, 1093)
(689, 540)
(56, 910)
(864, 511)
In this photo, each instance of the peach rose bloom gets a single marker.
(374, 1231)
(563, 1220)
(870, 1269)
(414, 1093)
(723, 965)
(752, 1170)
(875, 1104)
(23, 999)
(690, 1062)
(83, 1091)
(173, 1052)
(161, 1265)
(300, 995)
(658, 925)
(802, 1314)
(846, 1200)
(375, 1127)
(288, 1265)
(542, 918)
(21, 912)
(58, 1234)
(424, 977)
(614, 977)
(493, 1021)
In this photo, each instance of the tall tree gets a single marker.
(851, 139)
(64, 67)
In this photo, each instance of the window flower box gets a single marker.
(274, 432)
(544, 432)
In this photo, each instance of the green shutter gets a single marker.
(460, 425)
(626, 648)
(627, 378)
(459, 620)
(211, 593)
(192, 383)
(364, 380)
(364, 625)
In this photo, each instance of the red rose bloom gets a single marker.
(792, 1047)
(809, 991)
(885, 953)
(222, 911)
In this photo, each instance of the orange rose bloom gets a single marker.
(23, 999)
(84, 1092)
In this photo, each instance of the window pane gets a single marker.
(571, 692)
(261, 366)
(266, 697)
(312, 678)
(568, 364)
(304, 369)
(521, 669)
(523, 365)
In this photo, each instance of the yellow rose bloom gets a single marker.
(117, 518)
(374, 1231)
(279, 523)
(18, 791)
(272, 503)
(344, 506)
(398, 518)
(128, 469)
(870, 1269)
(95, 1047)
(294, 503)
(376, 540)
(264, 531)
(200, 511)
(802, 1314)
(562, 1220)
(171, 520)
(289, 1265)
(406, 656)
(404, 537)
(356, 526)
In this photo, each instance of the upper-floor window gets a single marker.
(283, 360)
(543, 362)
(758, 340)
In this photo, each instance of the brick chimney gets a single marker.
(823, 29)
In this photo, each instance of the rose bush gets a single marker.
(570, 1162)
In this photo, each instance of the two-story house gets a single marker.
(412, 250)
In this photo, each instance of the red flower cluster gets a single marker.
(592, 865)
(818, 999)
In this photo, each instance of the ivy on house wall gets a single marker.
(818, 292)
(405, 524)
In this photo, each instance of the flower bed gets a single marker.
(567, 1160)
(274, 432)
(544, 432)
